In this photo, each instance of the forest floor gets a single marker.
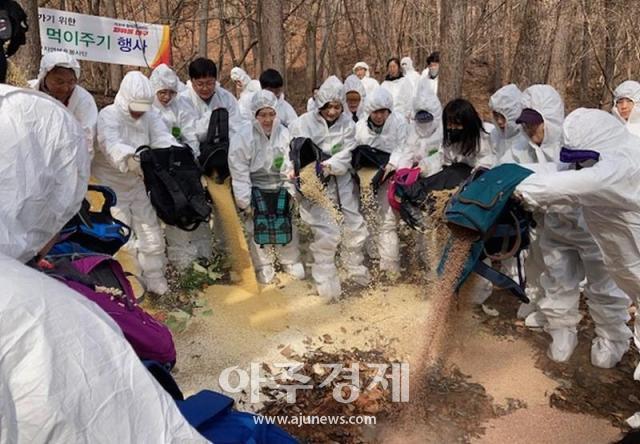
(492, 384)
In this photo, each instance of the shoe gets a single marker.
(265, 274)
(295, 270)
(330, 289)
(535, 319)
(360, 275)
(563, 343)
(158, 286)
(525, 310)
(606, 353)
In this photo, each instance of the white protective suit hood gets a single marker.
(508, 102)
(332, 90)
(45, 171)
(353, 83)
(264, 99)
(426, 100)
(239, 74)
(362, 65)
(629, 89)
(56, 59)
(380, 99)
(545, 100)
(164, 77)
(135, 87)
(407, 65)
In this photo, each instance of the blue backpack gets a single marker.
(90, 232)
(212, 414)
(484, 206)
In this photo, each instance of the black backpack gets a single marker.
(214, 151)
(13, 25)
(173, 182)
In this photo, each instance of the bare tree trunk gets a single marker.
(559, 63)
(331, 29)
(452, 49)
(585, 65)
(354, 34)
(28, 56)
(272, 40)
(611, 25)
(164, 11)
(310, 39)
(531, 60)
(203, 27)
(500, 42)
(115, 71)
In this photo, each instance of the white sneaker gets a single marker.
(360, 275)
(265, 274)
(295, 270)
(525, 310)
(330, 289)
(158, 286)
(606, 353)
(563, 343)
(535, 319)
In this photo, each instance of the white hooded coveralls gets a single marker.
(221, 99)
(570, 254)
(629, 90)
(256, 160)
(402, 91)
(119, 135)
(607, 193)
(368, 82)
(337, 141)
(67, 373)
(183, 247)
(424, 140)
(354, 84)
(81, 103)
(409, 71)
(391, 139)
(508, 102)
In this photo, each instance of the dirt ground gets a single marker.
(494, 383)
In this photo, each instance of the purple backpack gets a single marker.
(101, 279)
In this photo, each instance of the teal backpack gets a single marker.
(484, 205)
(271, 216)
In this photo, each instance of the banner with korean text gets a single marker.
(104, 39)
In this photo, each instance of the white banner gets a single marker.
(104, 39)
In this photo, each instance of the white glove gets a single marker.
(133, 166)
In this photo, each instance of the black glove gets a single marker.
(411, 215)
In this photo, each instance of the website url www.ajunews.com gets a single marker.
(301, 420)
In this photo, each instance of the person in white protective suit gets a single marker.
(206, 94)
(67, 374)
(607, 192)
(361, 69)
(400, 88)
(259, 157)
(123, 127)
(334, 133)
(245, 87)
(355, 97)
(626, 105)
(507, 138)
(425, 135)
(311, 103)
(272, 80)
(432, 71)
(465, 139)
(571, 254)
(179, 115)
(58, 77)
(409, 71)
(386, 131)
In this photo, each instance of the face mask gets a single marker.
(426, 129)
(433, 72)
(455, 135)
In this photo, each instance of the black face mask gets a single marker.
(455, 134)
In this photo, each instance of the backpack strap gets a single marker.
(500, 280)
(505, 232)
